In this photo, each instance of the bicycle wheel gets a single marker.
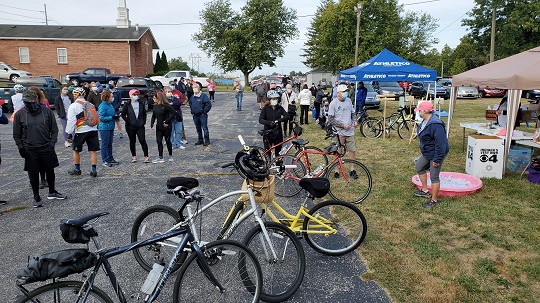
(314, 157)
(259, 151)
(286, 179)
(283, 276)
(64, 291)
(405, 129)
(154, 221)
(371, 128)
(235, 267)
(235, 212)
(351, 184)
(347, 219)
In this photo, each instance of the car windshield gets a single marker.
(431, 84)
(369, 87)
(131, 83)
(389, 84)
(444, 82)
(14, 68)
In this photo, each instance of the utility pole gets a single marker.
(358, 10)
(195, 58)
(493, 21)
(46, 18)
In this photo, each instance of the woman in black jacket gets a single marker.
(134, 114)
(162, 115)
(61, 105)
(271, 117)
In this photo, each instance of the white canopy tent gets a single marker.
(515, 73)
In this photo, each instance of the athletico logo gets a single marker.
(375, 76)
(392, 63)
(419, 76)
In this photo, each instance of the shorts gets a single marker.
(348, 141)
(91, 138)
(261, 99)
(40, 160)
(422, 165)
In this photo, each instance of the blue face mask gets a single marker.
(135, 97)
(172, 87)
(344, 95)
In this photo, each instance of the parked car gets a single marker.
(146, 86)
(276, 80)
(486, 92)
(372, 102)
(49, 86)
(419, 89)
(467, 92)
(391, 88)
(446, 83)
(94, 74)
(533, 94)
(177, 74)
(11, 73)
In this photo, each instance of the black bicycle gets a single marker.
(220, 271)
(402, 120)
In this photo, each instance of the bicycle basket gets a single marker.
(409, 109)
(75, 234)
(263, 190)
(297, 130)
(55, 265)
(331, 149)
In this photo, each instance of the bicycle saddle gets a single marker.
(263, 132)
(188, 183)
(300, 142)
(82, 220)
(317, 187)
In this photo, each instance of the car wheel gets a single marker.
(74, 82)
(13, 78)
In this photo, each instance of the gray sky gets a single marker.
(173, 23)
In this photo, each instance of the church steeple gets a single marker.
(123, 15)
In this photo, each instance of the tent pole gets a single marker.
(514, 98)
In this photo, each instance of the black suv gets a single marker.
(146, 86)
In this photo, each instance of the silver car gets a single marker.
(467, 92)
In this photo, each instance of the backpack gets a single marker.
(260, 89)
(90, 115)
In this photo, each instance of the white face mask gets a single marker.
(196, 90)
(94, 88)
(289, 90)
(169, 95)
(273, 102)
(64, 92)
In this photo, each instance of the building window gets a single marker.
(62, 55)
(24, 55)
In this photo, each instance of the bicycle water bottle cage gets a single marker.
(331, 149)
(316, 187)
(263, 132)
(185, 182)
(299, 142)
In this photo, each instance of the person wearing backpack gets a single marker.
(35, 133)
(83, 119)
(261, 89)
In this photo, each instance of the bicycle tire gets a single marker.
(371, 128)
(234, 213)
(153, 221)
(344, 217)
(352, 190)
(223, 256)
(260, 152)
(284, 276)
(286, 180)
(67, 290)
(314, 160)
(405, 129)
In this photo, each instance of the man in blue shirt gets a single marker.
(361, 94)
(200, 105)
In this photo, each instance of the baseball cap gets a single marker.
(171, 82)
(342, 88)
(426, 105)
(134, 91)
(29, 96)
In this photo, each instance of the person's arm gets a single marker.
(263, 120)
(102, 112)
(153, 119)
(17, 131)
(171, 113)
(71, 119)
(439, 134)
(207, 105)
(284, 115)
(124, 112)
(54, 129)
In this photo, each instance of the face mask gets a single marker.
(195, 90)
(135, 97)
(169, 95)
(172, 87)
(273, 102)
(289, 91)
(64, 92)
(344, 95)
(112, 99)
(32, 106)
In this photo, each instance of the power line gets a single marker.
(185, 23)
(459, 18)
(25, 9)
(20, 15)
(421, 2)
(19, 20)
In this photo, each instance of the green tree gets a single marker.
(517, 26)
(458, 67)
(157, 63)
(164, 62)
(178, 64)
(248, 39)
(331, 36)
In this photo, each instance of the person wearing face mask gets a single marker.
(211, 89)
(239, 89)
(35, 134)
(93, 95)
(162, 116)
(116, 101)
(61, 105)
(134, 114)
(106, 128)
(305, 97)
(177, 122)
(289, 101)
(271, 117)
(200, 105)
(341, 115)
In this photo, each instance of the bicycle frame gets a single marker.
(303, 156)
(271, 148)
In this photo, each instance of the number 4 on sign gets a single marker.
(492, 158)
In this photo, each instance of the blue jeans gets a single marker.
(176, 134)
(239, 101)
(360, 106)
(201, 124)
(106, 145)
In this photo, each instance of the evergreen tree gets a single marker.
(157, 63)
(164, 62)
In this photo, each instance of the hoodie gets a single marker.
(433, 142)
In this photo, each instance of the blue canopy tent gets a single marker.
(387, 66)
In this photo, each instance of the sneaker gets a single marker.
(422, 194)
(353, 174)
(430, 204)
(67, 144)
(133, 159)
(74, 172)
(93, 174)
(159, 160)
(113, 162)
(3, 202)
(57, 196)
(37, 204)
(336, 175)
(120, 135)
(107, 164)
(184, 141)
(181, 147)
(146, 160)
(206, 143)
(171, 159)
(43, 184)
(199, 143)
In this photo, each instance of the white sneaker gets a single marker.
(184, 142)
(181, 147)
(67, 144)
(159, 160)
(171, 159)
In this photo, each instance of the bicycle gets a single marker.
(352, 187)
(364, 117)
(277, 248)
(206, 271)
(403, 122)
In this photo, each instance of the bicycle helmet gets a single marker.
(18, 88)
(253, 167)
(78, 90)
(272, 94)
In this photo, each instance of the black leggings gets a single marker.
(212, 93)
(137, 133)
(160, 134)
(34, 182)
(304, 112)
(288, 123)
(317, 110)
(273, 141)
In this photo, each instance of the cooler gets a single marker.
(485, 156)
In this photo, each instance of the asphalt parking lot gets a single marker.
(125, 190)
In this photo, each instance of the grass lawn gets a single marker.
(484, 247)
